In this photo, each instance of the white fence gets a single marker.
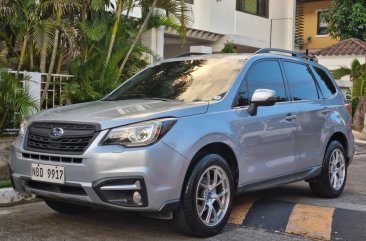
(36, 81)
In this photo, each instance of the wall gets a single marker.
(243, 28)
(4, 155)
(311, 24)
(282, 13)
(217, 17)
(334, 62)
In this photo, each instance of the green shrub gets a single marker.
(16, 104)
(5, 183)
(229, 47)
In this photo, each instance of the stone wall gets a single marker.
(4, 155)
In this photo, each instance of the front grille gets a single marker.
(37, 157)
(75, 139)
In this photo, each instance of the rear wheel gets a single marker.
(207, 197)
(333, 178)
(67, 208)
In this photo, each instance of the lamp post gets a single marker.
(270, 32)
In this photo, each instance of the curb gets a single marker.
(360, 141)
(315, 222)
(10, 197)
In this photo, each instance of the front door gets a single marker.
(267, 140)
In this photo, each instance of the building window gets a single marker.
(189, 1)
(322, 28)
(256, 7)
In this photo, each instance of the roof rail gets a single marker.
(190, 54)
(306, 55)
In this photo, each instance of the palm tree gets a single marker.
(42, 37)
(58, 8)
(357, 72)
(22, 17)
(116, 26)
(3, 52)
(16, 104)
(176, 10)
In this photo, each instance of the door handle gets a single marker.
(290, 117)
(326, 110)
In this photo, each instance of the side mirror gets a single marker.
(261, 97)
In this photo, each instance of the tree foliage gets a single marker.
(357, 72)
(95, 40)
(358, 77)
(16, 104)
(347, 19)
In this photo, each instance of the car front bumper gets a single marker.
(107, 176)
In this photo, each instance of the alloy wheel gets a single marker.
(212, 195)
(337, 169)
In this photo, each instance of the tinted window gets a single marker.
(301, 82)
(325, 83)
(264, 75)
(256, 7)
(188, 81)
(322, 25)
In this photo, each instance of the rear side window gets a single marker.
(325, 83)
(300, 81)
(266, 75)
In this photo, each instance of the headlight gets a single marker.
(140, 134)
(23, 128)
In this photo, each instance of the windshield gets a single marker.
(188, 81)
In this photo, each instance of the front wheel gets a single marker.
(333, 178)
(207, 197)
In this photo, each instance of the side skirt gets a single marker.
(306, 174)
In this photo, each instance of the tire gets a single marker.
(205, 209)
(330, 183)
(66, 208)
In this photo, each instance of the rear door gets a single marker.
(312, 113)
(267, 140)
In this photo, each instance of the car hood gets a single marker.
(117, 113)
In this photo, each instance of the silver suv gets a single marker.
(185, 135)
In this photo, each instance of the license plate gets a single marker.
(48, 173)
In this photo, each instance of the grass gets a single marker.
(5, 183)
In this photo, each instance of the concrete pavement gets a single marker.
(37, 222)
(271, 215)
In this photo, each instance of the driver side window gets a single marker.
(263, 75)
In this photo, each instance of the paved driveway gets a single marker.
(272, 215)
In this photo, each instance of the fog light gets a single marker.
(136, 197)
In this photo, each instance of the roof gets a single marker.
(350, 46)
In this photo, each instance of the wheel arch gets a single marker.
(219, 148)
(340, 137)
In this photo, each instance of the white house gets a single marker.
(249, 24)
(342, 54)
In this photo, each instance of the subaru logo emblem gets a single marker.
(56, 132)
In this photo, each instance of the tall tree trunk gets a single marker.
(22, 52)
(358, 120)
(31, 54)
(141, 30)
(43, 55)
(3, 118)
(60, 61)
(51, 67)
(113, 36)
